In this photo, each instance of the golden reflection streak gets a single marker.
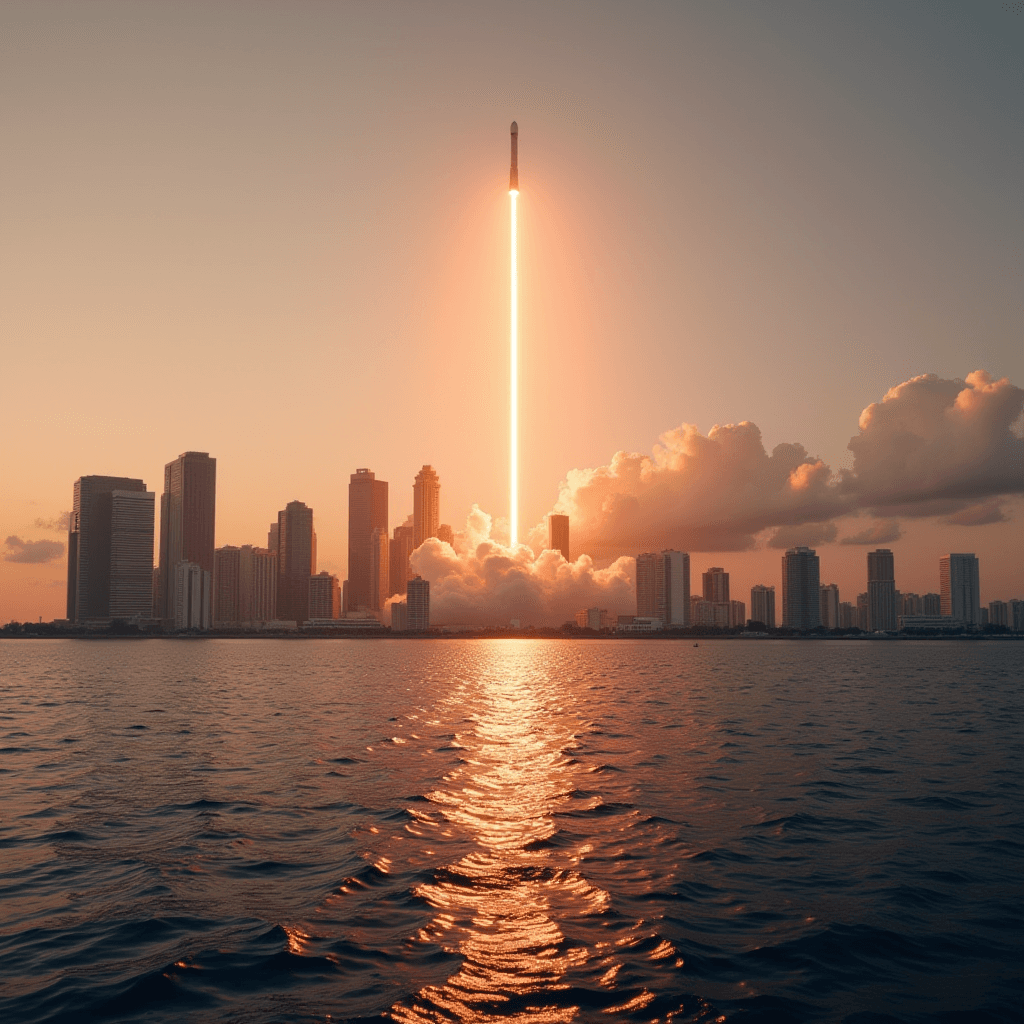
(498, 905)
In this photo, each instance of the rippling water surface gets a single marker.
(510, 830)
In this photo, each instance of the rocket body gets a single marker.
(513, 174)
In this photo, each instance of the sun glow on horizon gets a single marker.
(513, 494)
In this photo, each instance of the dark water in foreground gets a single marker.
(510, 830)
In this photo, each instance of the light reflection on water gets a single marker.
(273, 831)
(500, 906)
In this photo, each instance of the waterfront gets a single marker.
(510, 829)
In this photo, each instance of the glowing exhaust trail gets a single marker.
(513, 491)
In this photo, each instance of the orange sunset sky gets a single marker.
(278, 233)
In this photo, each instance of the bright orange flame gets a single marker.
(513, 514)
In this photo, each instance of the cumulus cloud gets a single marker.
(884, 532)
(486, 582)
(60, 524)
(697, 493)
(808, 536)
(33, 552)
(935, 444)
(931, 447)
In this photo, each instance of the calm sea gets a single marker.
(264, 831)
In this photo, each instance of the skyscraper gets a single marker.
(558, 534)
(801, 589)
(192, 595)
(663, 587)
(762, 605)
(426, 505)
(226, 585)
(674, 588)
(380, 579)
(132, 523)
(881, 590)
(959, 587)
(257, 584)
(367, 510)
(187, 519)
(110, 549)
(716, 585)
(418, 604)
(296, 560)
(830, 605)
(647, 585)
(324, 596)
(401, 548)
(446, 533)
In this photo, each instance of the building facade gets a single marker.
(663, 587)
(110, 549)
(881, 590)
(193, 596)
(647, 584)
(324, 596)
(801, 589)
(296, 560)
(380, 576)
(226, 589)
(762, 605)
(188, 509)
(426, 505)
(1016, 615)
(367, 511)
(558, 534)
(830, 605)
(998, 613)
(400, 548)
(716, 585)
(959, 587)
(418, 604)
(594, 618)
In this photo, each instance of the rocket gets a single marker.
(513, 173)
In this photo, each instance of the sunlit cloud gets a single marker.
(931, 447)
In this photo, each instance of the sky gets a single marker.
(278, 233)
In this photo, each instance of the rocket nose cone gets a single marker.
(515, 128)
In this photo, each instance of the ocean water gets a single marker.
(515, 830)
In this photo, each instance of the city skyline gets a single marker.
(787, 268)
(112, 529)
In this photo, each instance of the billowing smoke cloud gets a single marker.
(32, 552)
(931, 447)
(59, 525)
(485, 582)
(879, 533)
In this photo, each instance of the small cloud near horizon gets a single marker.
(60, 524)
(879, 533)
(32, 552)
(809, 536)
(979, 515)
